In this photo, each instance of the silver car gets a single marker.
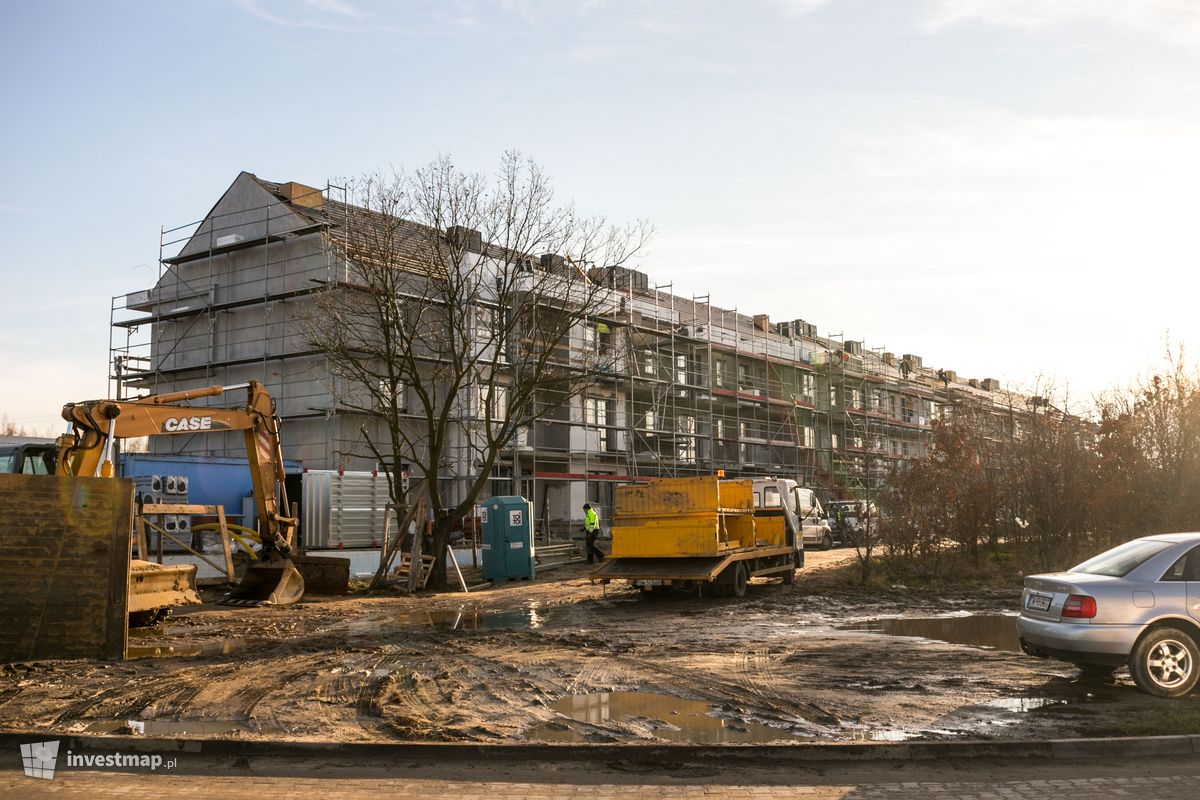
(1138, 603)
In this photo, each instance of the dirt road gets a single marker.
(563, 660)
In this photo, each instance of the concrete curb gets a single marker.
(449, 752)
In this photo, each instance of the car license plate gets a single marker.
(650, 583)
(1038, 602)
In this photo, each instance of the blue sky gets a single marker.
(1005, 187)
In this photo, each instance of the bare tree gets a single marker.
(465, 312)
(10, 428)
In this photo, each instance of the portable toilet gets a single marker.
(507, 524)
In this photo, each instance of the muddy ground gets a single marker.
(564, 660)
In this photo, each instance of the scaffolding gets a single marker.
(691, 387)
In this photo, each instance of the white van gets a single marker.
(802, 502)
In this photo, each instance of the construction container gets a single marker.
(343, 509)
(206, 480)
(680, 517)
(507, 528)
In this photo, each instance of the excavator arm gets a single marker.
(97, 425)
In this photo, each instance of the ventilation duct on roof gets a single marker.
(467, 238)
(300, 195)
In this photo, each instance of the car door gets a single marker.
(1193, 583)
(806, 502)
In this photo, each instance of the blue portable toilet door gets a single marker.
(518, 540)
(493, 538)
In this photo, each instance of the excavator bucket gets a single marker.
(267, 583)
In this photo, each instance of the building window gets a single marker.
(681, 373)
(493, 401)
(649, 420)
(719, 428)
(603, 338)
(595, 413)
(806, 387)
(719, 372)
(648, 360)
(808, 435)
(686, 445)
(387, 396)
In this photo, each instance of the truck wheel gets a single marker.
(789, 577)
(1164, 663)
(827, 542)
(741, 578)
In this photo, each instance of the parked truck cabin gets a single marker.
(27, 455)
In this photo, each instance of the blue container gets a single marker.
(212, 480)
(507, 524)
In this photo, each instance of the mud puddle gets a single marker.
(222, 647)
(864, 733)
(152, 643)
(650, 715)
(467, 618)
(164, 727)
(1023, 705)
(997, 631)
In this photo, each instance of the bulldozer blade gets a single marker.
(154, 586)
(271, 583)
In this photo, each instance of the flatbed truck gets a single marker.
(704, 534)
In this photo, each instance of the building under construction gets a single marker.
(692, 388)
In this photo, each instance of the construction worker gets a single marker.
(591, 529)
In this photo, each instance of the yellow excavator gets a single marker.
(88, 450)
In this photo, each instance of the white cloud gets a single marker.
(335, 7)
(1176, 22)
(798, 8)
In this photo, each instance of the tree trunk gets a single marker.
(442, 527)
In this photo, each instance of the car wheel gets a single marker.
(827, 542)
(1164, 663)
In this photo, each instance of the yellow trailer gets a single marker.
(696, 533)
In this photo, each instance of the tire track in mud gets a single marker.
(143, 691)
(758, 671)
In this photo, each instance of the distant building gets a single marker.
(695, 388)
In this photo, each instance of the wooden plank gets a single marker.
(387, 553)
(225, 542)
(177, 508)
(64, 566)
(454, 560)
(163, 533)
(143, 549)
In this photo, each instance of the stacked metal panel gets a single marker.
(343, 509)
